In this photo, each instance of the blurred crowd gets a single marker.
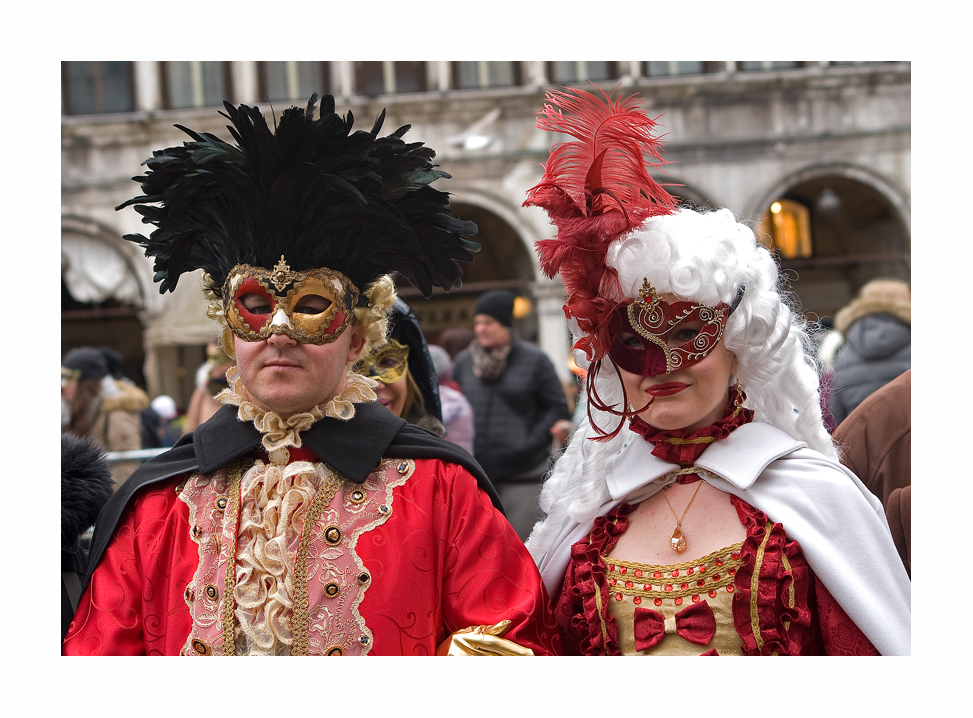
(99, 402)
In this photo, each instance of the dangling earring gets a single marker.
(738, 398)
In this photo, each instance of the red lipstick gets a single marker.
(667, 389)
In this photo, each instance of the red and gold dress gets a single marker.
(757, 597)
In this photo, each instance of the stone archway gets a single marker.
(859, 229)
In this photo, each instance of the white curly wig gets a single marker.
(701, 256)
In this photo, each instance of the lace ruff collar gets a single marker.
(279, 433)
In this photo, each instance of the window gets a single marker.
(849, 63)
(293, 81)
(764, 65)
(672, 68)
(470, 75)
(389, 78)
(195, 84)
(563, 73)
(788, 225)
(97, 87)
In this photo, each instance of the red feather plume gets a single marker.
(595, 189)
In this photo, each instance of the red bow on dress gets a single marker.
(696, 623)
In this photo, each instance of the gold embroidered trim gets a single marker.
(601, 618)
(697, 440)
(689, 572)
(754, 581)
(228, 607)
(405, 469)
(790, 588)
(300, 620)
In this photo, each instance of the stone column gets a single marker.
(552, 328)
(148, 87)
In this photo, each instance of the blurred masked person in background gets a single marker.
(407, 384)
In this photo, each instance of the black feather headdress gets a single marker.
(312, 191)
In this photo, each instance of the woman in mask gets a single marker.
(700, 507)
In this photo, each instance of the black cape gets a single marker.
(353, 448)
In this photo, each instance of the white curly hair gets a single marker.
(706, 257)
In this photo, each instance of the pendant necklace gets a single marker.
(677, 541)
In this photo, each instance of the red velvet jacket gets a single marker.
(444, 560)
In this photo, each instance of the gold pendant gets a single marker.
(677, 542)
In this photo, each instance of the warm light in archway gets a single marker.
(786, 228)
(522, 307)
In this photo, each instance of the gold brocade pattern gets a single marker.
(698, 440)
(278, 568)
(670, 589)
(754, 582)
(232, 508)
(210, 499)
(300, 622)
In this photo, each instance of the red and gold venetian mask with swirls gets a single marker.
(313, 307)
(651, 336)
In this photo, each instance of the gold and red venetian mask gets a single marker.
(313, 306)
(651, 336)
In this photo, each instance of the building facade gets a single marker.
(815, 154)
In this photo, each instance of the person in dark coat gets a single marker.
(517, 400)
(877, 327)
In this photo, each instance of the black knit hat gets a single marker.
(90, 362)
(310, 190)
(114, 361)
(499, 304)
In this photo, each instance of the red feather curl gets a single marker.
(594, 190)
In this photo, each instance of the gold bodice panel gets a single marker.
(635, 589)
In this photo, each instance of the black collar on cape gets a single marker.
(352, 448)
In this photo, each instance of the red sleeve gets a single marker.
(489, 575)
(447, 560)
(841, 637)
(134, 602)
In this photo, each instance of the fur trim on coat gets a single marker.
(879, 296)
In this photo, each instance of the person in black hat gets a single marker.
(517, 401)
(101, 407)
(305, 518)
